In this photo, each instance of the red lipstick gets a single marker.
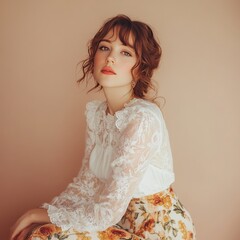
(108, 70)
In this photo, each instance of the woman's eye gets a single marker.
(127, 54)
(103, 48)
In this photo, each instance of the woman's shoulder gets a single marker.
(92, 109)
(93, 105)
(138, 110)
(144, 107)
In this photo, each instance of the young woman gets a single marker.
(123, 190)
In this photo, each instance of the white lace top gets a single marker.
(127, 155)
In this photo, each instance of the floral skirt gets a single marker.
(158, 216)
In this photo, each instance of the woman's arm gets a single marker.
(82, 188)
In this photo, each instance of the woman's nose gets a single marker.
(110, 59)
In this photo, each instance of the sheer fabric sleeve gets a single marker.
(139, 139)
(84, 187)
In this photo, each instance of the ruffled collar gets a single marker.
(120, 117)
(97, 113)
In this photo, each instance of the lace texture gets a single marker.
(135, 135)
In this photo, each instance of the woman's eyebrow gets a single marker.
(107, 40)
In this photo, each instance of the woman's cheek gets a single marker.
(99, 59)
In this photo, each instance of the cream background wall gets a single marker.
(42, 108)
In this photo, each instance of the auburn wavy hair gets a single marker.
(147, 50)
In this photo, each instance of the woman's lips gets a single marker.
(108, 71)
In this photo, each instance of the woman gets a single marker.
(123, 190)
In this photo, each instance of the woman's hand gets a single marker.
(26, 232)
(24, 223)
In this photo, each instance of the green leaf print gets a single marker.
(180, 204)
(142, 208)
(175, 231)
(167, 226)
(136, 215)
(59, 236)
(178, 208)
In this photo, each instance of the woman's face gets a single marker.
(113, 62)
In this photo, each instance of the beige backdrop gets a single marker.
(42, 108)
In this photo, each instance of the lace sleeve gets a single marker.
(84, 187)
(137, 144)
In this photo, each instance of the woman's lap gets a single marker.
(51, 232)
(158, 216)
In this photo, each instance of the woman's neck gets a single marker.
(117, 98)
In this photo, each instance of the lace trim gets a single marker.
(90, 113)
(96, 112)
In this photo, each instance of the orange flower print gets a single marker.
(155, 199)
(81, 235)
(147, 226)
(190, 235)
(45, 230)
(118, 232)
(167, 201)
(114, 233)
(183, 229)
(102, 235)
(159, 200)
(166, 218)
(171, 192)
(186, 235)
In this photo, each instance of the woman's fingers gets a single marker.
(26, 232)
(37, 215)
(21, 235)
(18, 227)
(17, 233)
(15, 230)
